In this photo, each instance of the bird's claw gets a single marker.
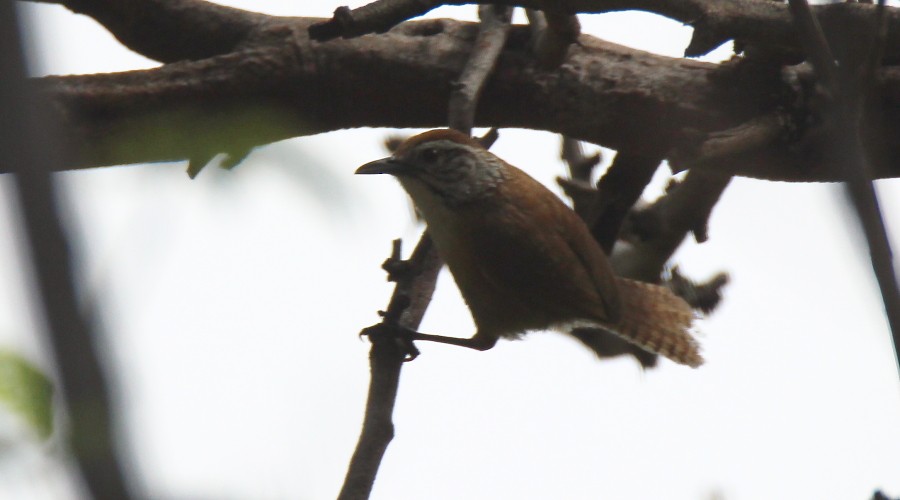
(404, 336)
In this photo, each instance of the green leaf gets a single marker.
(26, 391)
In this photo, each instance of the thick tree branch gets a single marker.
(170, 30)
(290, 86)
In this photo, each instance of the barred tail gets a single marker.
(658, 320)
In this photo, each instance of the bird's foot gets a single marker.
(402, 335)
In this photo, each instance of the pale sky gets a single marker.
(232, 305)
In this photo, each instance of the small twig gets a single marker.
(813, 41)
(376, 17)
(415, 280)
(581, 167)
(492, 34)
(704, 296)
(559, 31)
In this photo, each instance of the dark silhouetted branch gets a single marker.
(26, 138)
(617, 192)
(847, 85)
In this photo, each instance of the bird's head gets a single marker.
(446, 165)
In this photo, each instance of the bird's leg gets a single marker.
(477, 341)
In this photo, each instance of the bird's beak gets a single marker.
(383, 166)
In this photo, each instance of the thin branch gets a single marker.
(705, 296)
(848, 86)
(812, 38)
(171, 30)
(617, 192)
(416, 279)
(580, 166)
(375, 17)
(75, 346)
(27, 138)
(559, 31)
(492, 33)
(380, 15)
(578, 185)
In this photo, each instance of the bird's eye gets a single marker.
(429, 155)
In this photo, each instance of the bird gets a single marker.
(521, 258)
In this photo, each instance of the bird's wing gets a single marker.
(544, 251)
(592, 259)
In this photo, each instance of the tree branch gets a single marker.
(756, 22)
(290, 86)
(554, 30)
(658, 230)
(26, 137)
(492, 33)
(578, 185)
(171, 30)
(416, 279)
(847, 88)
(617, 192)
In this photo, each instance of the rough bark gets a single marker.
(286, 85)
